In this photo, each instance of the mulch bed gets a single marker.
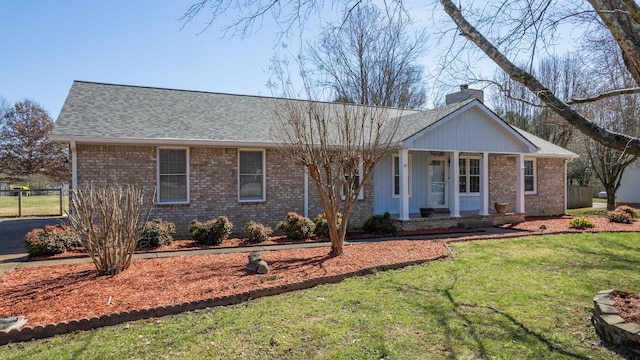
(50, 294)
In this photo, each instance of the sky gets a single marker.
(49, 44)
(46, 45)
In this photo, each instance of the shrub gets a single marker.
(322, 226)
(212, 232)
(156, 233)
(629, 210)
(52, 239)
(107, 219)
(619, 217)
(580, 223)
(297, 227)
(380, 224)
(257, 233)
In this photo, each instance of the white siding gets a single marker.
(629, 191)
(472, 130)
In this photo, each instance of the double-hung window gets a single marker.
(469, 180)
(356, 182)
(396, 175)
(251, 180)
(173, 176)
(529, 176)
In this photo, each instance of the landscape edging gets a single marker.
(610, 326)
(44, 331)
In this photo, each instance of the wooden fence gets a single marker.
(581, 196)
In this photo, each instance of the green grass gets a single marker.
(599, 212)
(33, 205)
(527, 298)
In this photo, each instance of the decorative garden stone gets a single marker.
(256, 264)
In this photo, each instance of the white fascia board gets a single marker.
(160, 142)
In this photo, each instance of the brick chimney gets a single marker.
(464, 94)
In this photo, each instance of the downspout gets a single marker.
(74, 165)
(306, 193)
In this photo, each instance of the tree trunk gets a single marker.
(337, 249)
(611, 199)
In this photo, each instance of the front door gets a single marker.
(437, 197)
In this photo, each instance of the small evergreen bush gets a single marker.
(156, 233)
(629, 210)
(297, 227)
(322, 226)
(621, 217)
(580, 223)
(51, 240)
(380, 224)
(212, 232)
(257, 233)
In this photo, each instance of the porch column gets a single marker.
(454, 176)
(566, 162)
(520, 184)
(403, 160)
(484, 185)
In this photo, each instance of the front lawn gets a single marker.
(519, 298)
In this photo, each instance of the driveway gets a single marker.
(12, 232)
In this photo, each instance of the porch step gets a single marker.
(475, 223)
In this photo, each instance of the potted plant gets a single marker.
(500, 207)
(426, 212)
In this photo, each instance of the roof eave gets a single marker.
(159, 142)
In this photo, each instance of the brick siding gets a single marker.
(213, 185)
(549, 197)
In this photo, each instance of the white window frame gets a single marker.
(264, 175)
(394, 175)
(535, 176)
(361, 193)
(188, 175)
(467, 175)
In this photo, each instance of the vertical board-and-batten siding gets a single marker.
(383, 184)
(472, 130)
(213, 184)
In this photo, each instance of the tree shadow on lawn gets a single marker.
(608, 258)
(511, 327)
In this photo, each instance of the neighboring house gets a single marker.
(211, 154)
(629, 191)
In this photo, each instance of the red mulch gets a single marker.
(50, 294)
(53, 294)
(628, 305)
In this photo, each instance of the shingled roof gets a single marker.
(108, 113)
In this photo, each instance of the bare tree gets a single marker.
(25, 148)
(372, 58)
(512, 26)
(564, 76)
(338, 145)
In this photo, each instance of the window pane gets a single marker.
(251, 179)
(173, 161)
(474, 184)
(251, 187)
(474, 166)
(250, 162)
(173, 188)
(172, 168)
(463, 166)
(528, 183)
(463, 184)
(528, 168)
